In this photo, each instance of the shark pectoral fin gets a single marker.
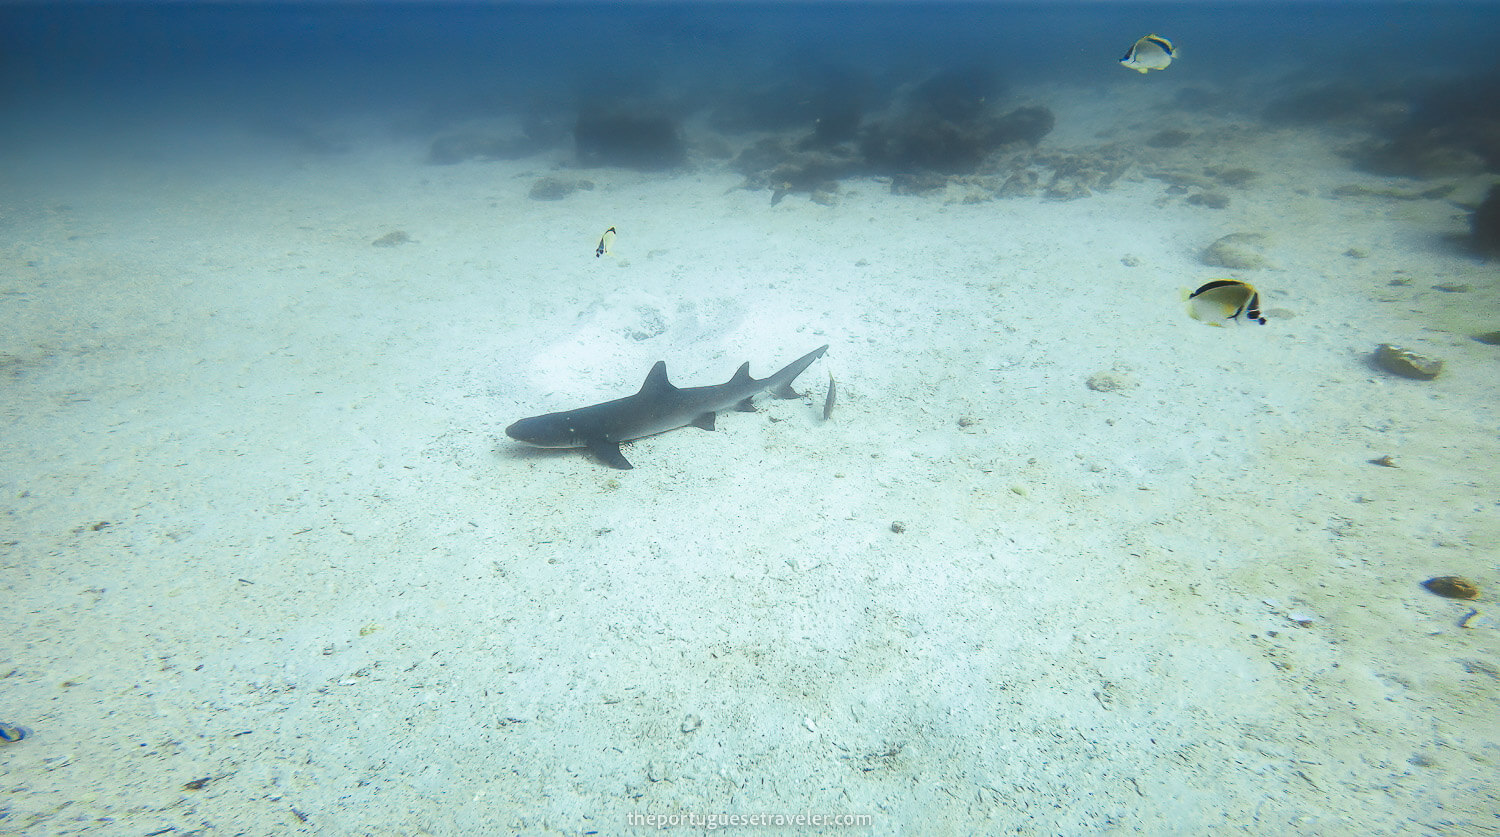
(705, 421)
(609, 454)
(746, 406)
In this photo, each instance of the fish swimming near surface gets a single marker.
(606, 241)
(1225, 299)
(1152, 52)
(657, 408)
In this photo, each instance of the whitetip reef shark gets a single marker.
(657, 408)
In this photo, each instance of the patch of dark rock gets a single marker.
(1180, 181)
(1020, 184)
(1356, 190)
(552, 188)
(770, 164)
(1211, 200)
(1463, 112)
(1169, 138)
(1061, 175)
(1484, 225)
(1425, 154)
(958, 94)
(1231, 176)
(922, 142)
(1320, 104)
(838, 120)
(829, 100)
(629, 137)
(920, 183)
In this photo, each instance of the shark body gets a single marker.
(657, 408)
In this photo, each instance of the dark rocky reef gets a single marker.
(1437, 129)
(771, 164)
(1416, 153)
(630, 137)
(929, 141)
(828, 101)
(1485, 223)
(1319, 104)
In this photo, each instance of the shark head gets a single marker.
(545, 432)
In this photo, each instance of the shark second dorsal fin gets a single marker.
(741, 376)
(656, 380)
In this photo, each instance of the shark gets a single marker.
(656, 408)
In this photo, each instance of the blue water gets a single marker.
(137, 59)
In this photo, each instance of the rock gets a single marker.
(1231, 176)
(1452, 587)
(1320, 104)
(1419, 154)
(1485, 223)
(392, 239)
(1237, 251)
(917, 183)
(555, 188)
(1170, 138)
(920, 140)
(1406, 363)
(1112, 382)
(1430, 193)
(1212, 200)
(641, 139)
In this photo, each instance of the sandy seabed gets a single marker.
(271, 565)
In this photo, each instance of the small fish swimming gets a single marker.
(1225, 299)
(833, 394)
(606, 241)
(1152, 52)
(10, 733)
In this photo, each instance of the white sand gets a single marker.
(262, 524)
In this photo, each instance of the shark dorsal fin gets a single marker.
(742, 375)
(656, 380)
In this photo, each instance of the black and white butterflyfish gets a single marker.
(1221, 300)
(606, 241)
(1152, 52)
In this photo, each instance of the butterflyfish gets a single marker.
(1152, 52)
(1225, 299)
(606, 241)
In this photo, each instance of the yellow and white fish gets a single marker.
(1152, 52)
(606, 241)
(1221, 300)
